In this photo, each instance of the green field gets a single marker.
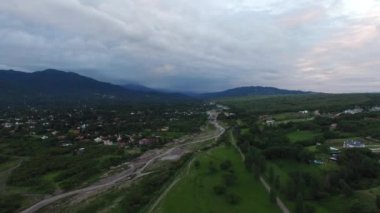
(297, 136)
(194, 192)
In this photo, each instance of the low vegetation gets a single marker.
(219, 182)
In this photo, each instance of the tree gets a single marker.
(346, 189)
(309, 208)
(229, 179)
(277, 183)
(256, 171)
(211, 168)
(233, 198)
(378, 201)
(271, 175)
(219, 189)
(197, 164)
(272, 195)
(225, 165)
(357, 207)
(299, 204)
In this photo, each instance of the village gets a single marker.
(109, 128)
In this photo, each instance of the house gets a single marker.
(165, 129)
(333, 150)
(98, 140)
(8, 125)
(353, 144)
(333, 126)
(353, 111)
(304, 112)
(108, 142)
(375, 109)
(270, 122)
(318, 162)
(147, 141)
(44, 137)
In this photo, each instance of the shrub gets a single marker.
(225, 165)
(233, 198)
(219, 189)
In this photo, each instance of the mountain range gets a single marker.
(59, 86)
(251, 91)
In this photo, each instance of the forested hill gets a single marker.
(58, 86)
(251, 91)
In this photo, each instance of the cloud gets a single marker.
(198, 45)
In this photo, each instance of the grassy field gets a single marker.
(291, 116)
(194, 192)
(301, 136)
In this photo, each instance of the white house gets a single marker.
(353, 111)
(353, 144)
(375, 109)
(270, 122)
(107, 142)
(8, 125)
(98, 140)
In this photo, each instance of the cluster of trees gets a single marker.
(357, 168)
(324, 102)
(363, 124)
(73, 169)
(229, 180)
(9, 203)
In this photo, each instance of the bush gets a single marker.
(378, 201)
(4, 158)
(229, 179)
(10, 203)
(309, 208)
(225, 165)
(212, 168)
(272, 196)
(197, 164)
(233, 198)
(219, 189)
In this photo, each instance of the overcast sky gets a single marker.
(199, 45)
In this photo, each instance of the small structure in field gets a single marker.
(353, 144)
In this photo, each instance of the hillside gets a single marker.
(251, 91)
(58, 86)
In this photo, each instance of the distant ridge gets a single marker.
(59, 86)
(138, 87)
(252, 91)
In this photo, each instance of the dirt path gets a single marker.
(155, 204)
(279, 202)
